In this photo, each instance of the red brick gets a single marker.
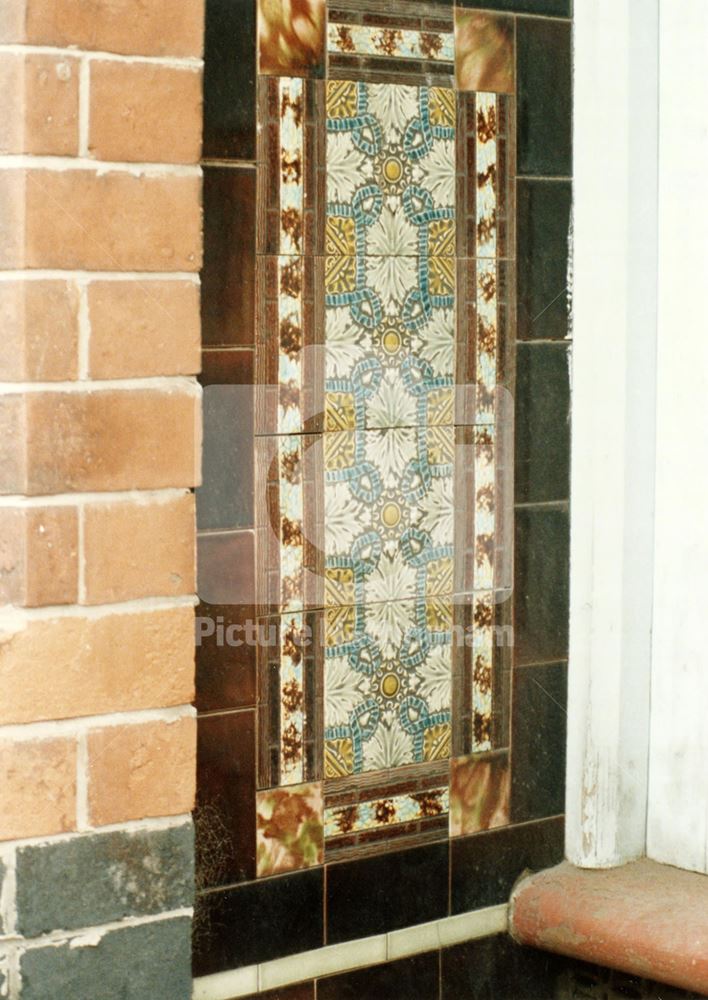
(39, 788)
(40, 324)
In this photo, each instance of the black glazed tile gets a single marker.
(542, 438)
(227, 366)
(226, 672)
(230, 79)
(378, 894)
(549, 8)
(258, 921)
(225, 826)
(495, 968)
(485, 866)
(543, 222)
(300, 991)
(541, 585)
(225, 499)
(543, 63)
(228, 273)
(415, 978)
(226, 571)
(538, 734)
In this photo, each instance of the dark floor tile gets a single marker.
(226, 568)
(486, 865)
(226, 672)
(495, 968)
(415, 978)
(228, 274)
(541, 585)
(539, 725)
(383, 893)
(543, 54)
(227, 366)
(543, 223)
(542, 438)
(225, 500)
(552, 8)
(230, 79)
(258, 921)
(225, 816)
(300, 991)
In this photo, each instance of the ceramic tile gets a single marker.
(497, 967)
(544, 137)
(539, 724)
(542, 585)
(225, 499)
(479, 793)
(300, 991)
(395, 43)
(385, 812)
(289, 824)
(226, 567)
(230, 79)
(390, 175)
(485, 866)
(228, 282)
(415, 977)
(383, 893)
(225, 844)
(553, 8)
(542, 460)
(291, 38)
(258, 921)
(484, 51)
(389, 517)
(543, 224)
(225, 672)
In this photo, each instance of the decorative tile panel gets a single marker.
(396, 43)
(386, 812)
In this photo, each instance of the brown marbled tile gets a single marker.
(291, 37)
(226, 567)
(289, 829)
(484, 51)
(479, 793)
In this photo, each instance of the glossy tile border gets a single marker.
(395, 43)
(352, 954)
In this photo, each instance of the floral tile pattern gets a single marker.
(479, 794)
(382, 812)
(484, 51)
(388, 677)
(396, 43)
(291, 37)
(289, 829)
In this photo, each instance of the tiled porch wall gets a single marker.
(276, 874)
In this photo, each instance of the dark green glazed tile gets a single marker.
(495, 968)
(542, 441)
(539, 725)
(383, 893)
(543, 54)
(300, 991)
(225, 499)
(258, 921)
(228, 274)
(543, 223)
(485, 866)
(551, 8)
(230, 79)
(226, 799)
(541, 585)
(415, 978)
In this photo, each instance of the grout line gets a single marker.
(98, 55)
(26, 161)
(148, 825)
(84, 106)
(14, 617)
(46, 274)
(89, 937)
(150, 382)
(141, 497)
(25, 731)
(82, 760)
(209, 161)
(84, 331)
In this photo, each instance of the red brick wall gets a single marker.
(100, 250)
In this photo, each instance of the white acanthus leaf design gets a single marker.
(387, 619)
(391, 450)
(344, 345)
(392, 277)
(392, 406)
(434, 675)
(344, 690)
(436, 342)
(437, 172)
(392, 235)
(437, 511)
(344, 518)
(390, 746)
(345, 167)
(394, 106)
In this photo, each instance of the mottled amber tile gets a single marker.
(291, 37)
(484, 51)
(289, 829)
(479, 794)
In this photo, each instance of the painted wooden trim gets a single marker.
(613, 415)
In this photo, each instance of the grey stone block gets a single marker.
(146, 962)
(103, 877)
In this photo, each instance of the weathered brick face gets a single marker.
(100, 438)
